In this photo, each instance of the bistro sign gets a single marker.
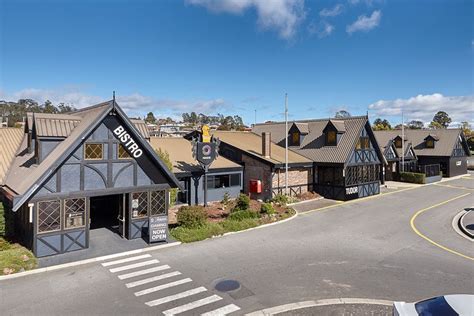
(127, 141)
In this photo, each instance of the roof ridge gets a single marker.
(314, 120)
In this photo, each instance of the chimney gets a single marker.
(266, 145)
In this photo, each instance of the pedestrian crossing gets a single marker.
(167, 289)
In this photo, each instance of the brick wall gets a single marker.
(296, 177)
(256, 170)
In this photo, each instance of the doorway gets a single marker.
(108, 212)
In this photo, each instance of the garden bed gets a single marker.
(226, 216)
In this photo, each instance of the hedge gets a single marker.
(412, 177)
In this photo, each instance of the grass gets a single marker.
(13, 257)
(211, 229)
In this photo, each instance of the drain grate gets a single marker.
(227, 285)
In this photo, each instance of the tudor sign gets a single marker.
(127, 141)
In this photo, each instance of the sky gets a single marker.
(237, 56)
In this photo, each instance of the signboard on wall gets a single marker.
(352, 193)
(158, 229)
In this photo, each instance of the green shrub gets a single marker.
(280, 199)
(412, 177)
(230, 225)
(243, 203)
(191, 216)
(267, 208)
(241, 215)
(186, 234)
(2, 220)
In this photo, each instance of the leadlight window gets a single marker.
(295, 139)
(331, 138)
(362, 174)
(93, 151)
(429, 143)
(139, 204)
(122, 153)
(398, 143)
(363, 143)
(49, 216)
(157, 203)
(74, 213)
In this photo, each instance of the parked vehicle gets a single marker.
(447, 305)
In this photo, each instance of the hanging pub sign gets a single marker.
(205, 150)
(158, 228)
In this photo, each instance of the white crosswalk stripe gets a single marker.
(192, 305)
(150, 272)
(142, 272)
(133, 266)
(152, 279)
(175, 297)
(111, 263)
(223, 310)
(163, 286)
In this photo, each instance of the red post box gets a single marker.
(255, 186)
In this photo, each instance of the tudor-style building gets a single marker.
(347, 161)
(447, 148)
(75, 172)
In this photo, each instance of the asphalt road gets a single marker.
(362, 249)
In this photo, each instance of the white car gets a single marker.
(447, 305)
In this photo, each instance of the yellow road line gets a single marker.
(412, 224)
(357, 200)
(453, 186)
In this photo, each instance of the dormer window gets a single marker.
(331, 138)
(430, 141)
(295, 138)
(398, 143)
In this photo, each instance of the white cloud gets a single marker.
(424, 107)
(134, 104)
(335, 11)
(365, 23)
(282, 15)
(322, 29)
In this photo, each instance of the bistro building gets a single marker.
(426, 151)
(224, 176)
(346, 159)
(69, 174)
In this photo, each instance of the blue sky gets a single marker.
(234, 56)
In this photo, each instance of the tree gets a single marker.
(381, 125)
(415, 124)
(48, 107)
(466, 128)
(165, 157)
(435, 125)
(342, 114)
(150, 118)
(442, 118)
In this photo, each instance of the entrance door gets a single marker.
(107, 212)
(122, 216)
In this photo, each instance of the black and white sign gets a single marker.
(352, 193)
(205, 153)
(158, 228)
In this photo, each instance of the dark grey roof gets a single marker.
(339, 125)
(447, 139)
(54, 125)
(25, 178)
(302, 127)
(313, 145)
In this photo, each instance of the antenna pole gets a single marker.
(255, 117)
(286, 143)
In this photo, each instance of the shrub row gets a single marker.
(412, 177)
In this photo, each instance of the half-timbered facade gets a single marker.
(77, 172)
(347, 160)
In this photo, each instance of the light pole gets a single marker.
(286, 144)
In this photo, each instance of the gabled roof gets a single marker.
(25, 177)
(447, 139)
(180, 152)
(337, 124)
(10, 142)
(432, 136)
(251, 144)
(302, 127)
(313, 145)
(387, 139)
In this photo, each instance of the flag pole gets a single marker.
(286, 143)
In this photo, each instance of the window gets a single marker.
(363, 143)
(295, 139)
(93, 151)
(139, 204)
(49, 216)
(223, 181)
(362, 174)
(398, 143)
(122, 153)
(158, 203)
(74, 213)
(429, 143)
(331, 138)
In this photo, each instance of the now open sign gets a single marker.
(158, 229)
